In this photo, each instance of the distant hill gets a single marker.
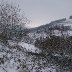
(57, 27)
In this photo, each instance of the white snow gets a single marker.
(48, 70)
(37, 35)
(57, 33)
(29, 47)
(12, 43)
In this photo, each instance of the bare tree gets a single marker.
(11, 19)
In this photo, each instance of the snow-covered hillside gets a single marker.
(15, 59)
(55, 26)
(23, 56)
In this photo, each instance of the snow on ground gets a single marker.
(29, 47)
(12, 43)
(19, 61)
(36, 35)
(6, 65)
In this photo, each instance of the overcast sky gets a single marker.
(44, 11)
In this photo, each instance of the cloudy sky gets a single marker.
(44, 11)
